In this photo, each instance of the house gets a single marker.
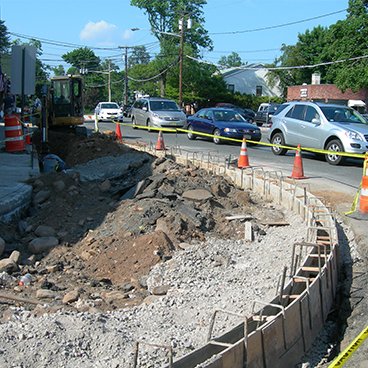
(251, 79)
(329, 93)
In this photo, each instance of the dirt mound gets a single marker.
(75, 149)
(112, 232)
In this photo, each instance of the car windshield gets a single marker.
(109, 106)
(343, 115)
(280, 108)
(164, 106)
(228, 115)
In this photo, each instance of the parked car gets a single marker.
(223, 122)
(248, 114)
(265, 112)
(336, 128)
(107, 111)
(157, 112)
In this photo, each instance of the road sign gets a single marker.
(23, 70)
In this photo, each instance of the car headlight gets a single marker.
(230, 130)
(353, 135)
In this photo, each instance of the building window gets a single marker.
(258, 90)
(231, 88)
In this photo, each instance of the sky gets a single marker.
(107, 24)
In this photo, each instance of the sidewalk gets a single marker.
(15, 169)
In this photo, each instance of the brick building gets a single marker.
(329, 93)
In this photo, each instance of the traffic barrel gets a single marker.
(14, 139)
(363, 205)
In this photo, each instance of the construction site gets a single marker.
(132, 257)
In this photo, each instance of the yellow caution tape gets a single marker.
(313, 150)
(355, 201)
(345, 355)
(356, 198)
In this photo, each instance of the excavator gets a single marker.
(65, 101)
(62, 108)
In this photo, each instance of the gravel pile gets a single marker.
(217, 274)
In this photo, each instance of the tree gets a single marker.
(309, 50)
(164, 16)
(349, 39)
(346, 39)
(82, 57)
(139, 55)
(4, 38)
(59, 70)
(233, 60)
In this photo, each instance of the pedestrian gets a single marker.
(9, 104)
(36, 111)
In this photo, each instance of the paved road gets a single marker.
(348, 175)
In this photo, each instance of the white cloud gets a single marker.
(127, 34)
(98, 31)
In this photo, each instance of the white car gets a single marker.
(107, 111)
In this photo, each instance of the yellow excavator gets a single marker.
(62, 107)
(65, 101)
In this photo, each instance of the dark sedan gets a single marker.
(223, 123)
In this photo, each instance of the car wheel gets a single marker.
(190, 134)
(217, 140)
(278, 138)
(334, 146)
(134, 123)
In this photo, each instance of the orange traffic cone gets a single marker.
(119, 137)
(363, 205)
(28, 135)
(298, 172)
(243, 160)
(160, 145)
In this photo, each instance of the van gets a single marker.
(157, 112)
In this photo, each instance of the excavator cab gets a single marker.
(66, 101)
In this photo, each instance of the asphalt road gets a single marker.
(348, 175)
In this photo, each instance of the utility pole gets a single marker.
(126, 77)
(126, 92)
(109, 81)
(181, 55)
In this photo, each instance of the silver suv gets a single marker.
(336, 128)
(157, 112)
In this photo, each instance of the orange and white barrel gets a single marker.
(363, 205)
(14, 139)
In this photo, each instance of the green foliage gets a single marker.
(58, 70)
(82, 57)
(164, 16)
(4, 38)
(343, 40)
(348, 39)
(309, 50)
(139, 56)
(233, 60)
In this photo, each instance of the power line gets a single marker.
(155, 76)
(73, 45)
(279, 25)
(281, 67)
(241, 52)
